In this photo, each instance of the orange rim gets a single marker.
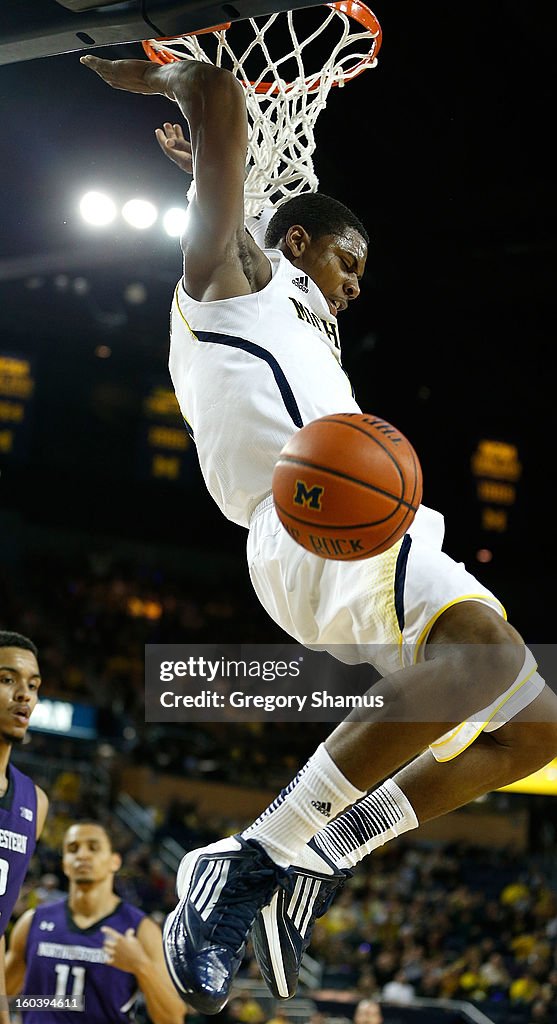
(163, 56)
(359, 12)
(354, 9)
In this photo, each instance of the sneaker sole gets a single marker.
(268, 916)
(167, 926)
(183, 879)
(301, 902)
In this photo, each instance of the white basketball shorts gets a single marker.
(378, 610)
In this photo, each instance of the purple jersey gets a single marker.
(68, 962)
(18, 830)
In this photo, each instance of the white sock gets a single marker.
(378, 817)
(319, 791)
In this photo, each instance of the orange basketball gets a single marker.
(347, 486)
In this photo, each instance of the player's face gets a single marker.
(87, 855)
(19, 692)
(335, 263)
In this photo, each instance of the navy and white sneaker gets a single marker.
(284, 926)
(220, 887)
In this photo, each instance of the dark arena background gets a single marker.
(109, 540)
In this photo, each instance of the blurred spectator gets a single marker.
(48, 890)
(279, 1017)
(524, 989)
(368, 1012)
(494, 974)
(541, 1013)
(246, 1009)
(398, 990)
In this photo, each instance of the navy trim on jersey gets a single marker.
(400, 578)
(91, 928)
(286, 392)
(7, 798)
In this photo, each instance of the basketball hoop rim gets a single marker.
(354, 9)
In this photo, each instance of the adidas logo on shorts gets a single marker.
(301, 283)
(322, 806)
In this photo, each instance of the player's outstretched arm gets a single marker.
(141, 954)
(140, 76)
(213, 103)
(15, 956)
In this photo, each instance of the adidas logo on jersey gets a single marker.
(301, 283)
(322, 806)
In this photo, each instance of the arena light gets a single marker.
(135, 293)
(139, 213)
(97, 209)
(174, 221)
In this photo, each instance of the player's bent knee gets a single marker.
(480, 641)
(473, 622)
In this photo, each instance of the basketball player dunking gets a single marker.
(249, 367)
(23, 805)
(91, 948)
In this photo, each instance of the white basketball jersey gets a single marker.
(250, 371)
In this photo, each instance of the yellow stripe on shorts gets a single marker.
(473, 728)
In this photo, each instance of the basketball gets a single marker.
(347, 486)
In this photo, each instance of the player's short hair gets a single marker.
(96, 824)
(8, 639)
(317, 213)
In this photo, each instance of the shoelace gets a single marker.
(241, 898)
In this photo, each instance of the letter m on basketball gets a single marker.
(310, 496)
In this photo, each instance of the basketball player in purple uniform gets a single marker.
(23, 805)
(91, 950)
(465, 710)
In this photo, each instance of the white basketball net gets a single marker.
(283, 113)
